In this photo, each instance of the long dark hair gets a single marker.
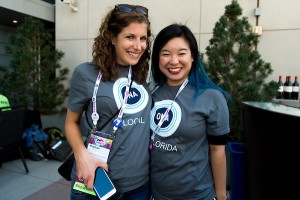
(197, 76)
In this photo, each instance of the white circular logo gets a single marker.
(137, 99)
(172, 120)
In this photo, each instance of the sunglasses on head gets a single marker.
(126, 8)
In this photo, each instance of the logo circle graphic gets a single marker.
(171, 122)
(133, 96)
(138, 96)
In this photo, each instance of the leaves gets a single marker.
(34, 77)
(235, 65)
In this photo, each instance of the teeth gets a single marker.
(133, 54)
(174, 69)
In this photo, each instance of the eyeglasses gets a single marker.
(126, 8)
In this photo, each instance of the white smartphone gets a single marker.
(103, 186)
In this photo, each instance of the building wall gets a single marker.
(279, 44)
(36, 8)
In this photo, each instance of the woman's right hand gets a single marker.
(86, 166)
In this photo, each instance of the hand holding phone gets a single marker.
(103, 186)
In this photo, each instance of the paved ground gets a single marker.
(42, 181)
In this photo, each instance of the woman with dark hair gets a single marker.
(189, 122)
(112, 91)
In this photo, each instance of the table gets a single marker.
(272, 150)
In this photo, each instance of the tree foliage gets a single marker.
(234, 64)
(34, 77)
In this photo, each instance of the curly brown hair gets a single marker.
(104, 55)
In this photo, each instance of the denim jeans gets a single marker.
(152, 198)
(140, 193)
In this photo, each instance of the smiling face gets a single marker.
(131, 43)
(175, 61)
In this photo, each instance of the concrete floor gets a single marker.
(41, 183)
(15, 184)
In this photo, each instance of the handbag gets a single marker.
(65, 169)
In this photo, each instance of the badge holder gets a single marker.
(99, 145)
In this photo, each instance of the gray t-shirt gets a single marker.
(180, 163)
(129, 156)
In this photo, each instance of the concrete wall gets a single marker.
(36, 8)
(279, 44)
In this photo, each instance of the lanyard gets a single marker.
(118, 122)
(95, 115)
(162, 119)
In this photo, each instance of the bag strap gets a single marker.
(89, 132)
(86, 117)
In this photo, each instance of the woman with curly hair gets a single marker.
(112, 92)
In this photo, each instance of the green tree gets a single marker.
(234, 63)
(34, 77)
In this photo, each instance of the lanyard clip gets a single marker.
(95, 118)
(94, 129)
(113, 134)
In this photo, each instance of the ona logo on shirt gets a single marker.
(138, 96)
(172, 120)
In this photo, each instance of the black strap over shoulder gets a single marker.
(86, 117)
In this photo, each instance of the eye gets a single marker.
(130, 37)
(144, 38)
(165, 54)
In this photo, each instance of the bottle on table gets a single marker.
(280, 89)
(295, 89)
(287, 88)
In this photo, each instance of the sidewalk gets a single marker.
(41, 183)
(42, 180)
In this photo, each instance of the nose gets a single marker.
(174, 60)
(138, 45)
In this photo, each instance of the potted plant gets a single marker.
(35, 76)
(234, 63)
